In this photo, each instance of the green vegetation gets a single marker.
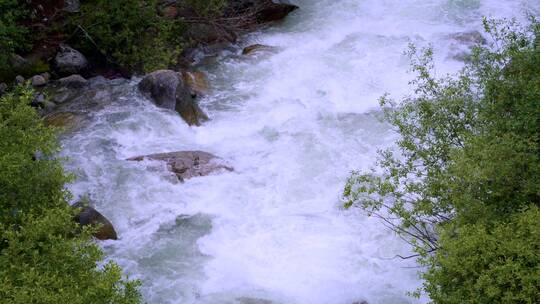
(44, 256)
(208, 7)
(126, 34)
(130, 33)
(463, 187)
(13, 38)
(27, 183)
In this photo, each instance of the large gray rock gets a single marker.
(69, 61)
(168, 90)
(38, 81)
(90, 216)
(188, 164)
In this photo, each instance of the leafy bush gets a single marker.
(128, 33)
(45, 262)
(482, 264)
(30, 179)
(468, 160)
(44, 255)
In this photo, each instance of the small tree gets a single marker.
(468, 158)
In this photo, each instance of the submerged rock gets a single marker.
(196, 81)
(469, 38)
(67, 121)
(249, 300)
(90, 216)
(168, 90)
(188, 164)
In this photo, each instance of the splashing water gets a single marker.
(293, 123)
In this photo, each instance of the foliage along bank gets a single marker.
(124, 36)
(45, 257)
(462, 186)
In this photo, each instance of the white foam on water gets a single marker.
(293, 123)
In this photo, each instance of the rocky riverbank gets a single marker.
(75, 85)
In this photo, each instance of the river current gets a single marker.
(293, 122)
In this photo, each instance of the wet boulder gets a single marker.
(188, 164)
(196, 82)
(167, 89)
(250, 300)
(256, 48)
(69, 61)
(90, 216)
(66, 121)
(468, 38)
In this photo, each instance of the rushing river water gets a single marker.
(293, 122)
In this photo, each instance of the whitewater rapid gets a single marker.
(293, 122)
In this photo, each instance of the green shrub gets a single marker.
(44, 261)
(128, 33)
(468, 164)
(27, 183)
(482, 264)
(44, 255)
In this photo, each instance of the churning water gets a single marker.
(293, 122)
